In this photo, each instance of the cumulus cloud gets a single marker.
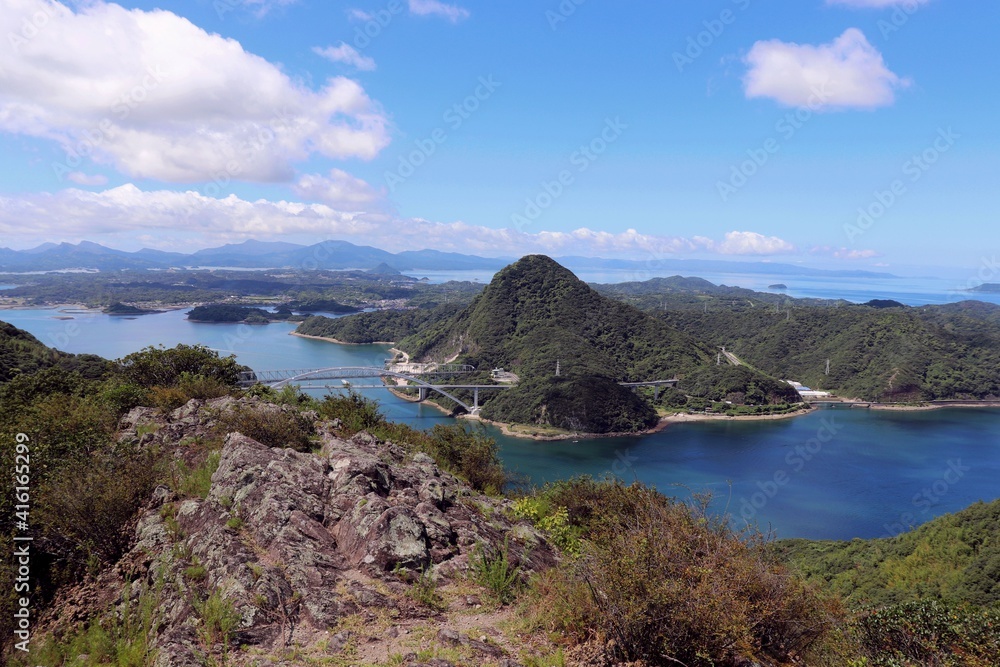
(347, 54)
(436, 8)
(847, 73)
(878, 4)
(126, 209)
(158, 97)
(339, 190)
(752, 243)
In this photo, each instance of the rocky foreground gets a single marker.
(357, 554)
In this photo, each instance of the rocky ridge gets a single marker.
(309, 554)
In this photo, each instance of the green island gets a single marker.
(154, 544)
(535, 314)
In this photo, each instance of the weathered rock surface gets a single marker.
(295, 542)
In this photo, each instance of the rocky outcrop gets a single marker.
(295, 542)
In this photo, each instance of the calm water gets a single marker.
(836, 473)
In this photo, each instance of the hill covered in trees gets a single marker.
(23, 354)
(877, 352)
(535, 315)
(377, 326)
(953, 559)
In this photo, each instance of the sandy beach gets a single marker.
(339, 342)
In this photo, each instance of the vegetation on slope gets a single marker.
(645, 576)
(23, 354)
(377, 326)
(894, 353)
(954, 559)
(536, 314)
(230, 313)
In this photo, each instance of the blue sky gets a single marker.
(848, 133)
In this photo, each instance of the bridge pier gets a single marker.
(422, 394)
(475, 400)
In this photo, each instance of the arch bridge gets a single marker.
(281, 378)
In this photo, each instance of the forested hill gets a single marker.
(889, 353)
(954, 559)
(536, 312)
(22, 353)
(535, 315)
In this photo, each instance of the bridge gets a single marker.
(280, 378)
(655, 384)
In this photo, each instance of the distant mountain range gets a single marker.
(335, 255)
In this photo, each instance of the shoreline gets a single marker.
(663, 423)
(933, 405)
(338, 342)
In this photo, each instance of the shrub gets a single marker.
(554, 521)
(85, 510)
(120, 398)
(159, 367)
(469, 453)
(930, 633)
(269, 426)
(671, 584)
(355, 412)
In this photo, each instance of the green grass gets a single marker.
(118, 640)
(492, 569)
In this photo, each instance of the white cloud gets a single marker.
(158, 97)
(81, 178)
(347, 54)
(359, 15)
(878, 4)
(847, 73)
(339, 190)
(436, 8)
(752, 243)
(260, 8)
(74, 213)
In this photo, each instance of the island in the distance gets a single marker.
(778, 286)
(125, 309)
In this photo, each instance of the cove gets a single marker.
(832, 474)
